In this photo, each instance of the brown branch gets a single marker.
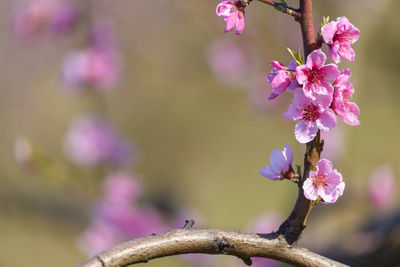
(283, 8)
(181, 241)
(294, 225)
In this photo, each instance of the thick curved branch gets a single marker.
(182, 241)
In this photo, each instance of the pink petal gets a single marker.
(330, 72)
(327, 120)
(289, 154)
(350, 117)
(292, 65)
(292, 113)
(347, 52)
(224, 9)
(277, 64)
(316, 59)
(334, 52)
(278, 161)
(310, 192)
(293, 86)
(240, 23)
(305, 131)
(230, 22)
(269, 173)
(328, 31)
(324, 166)
(301, 74)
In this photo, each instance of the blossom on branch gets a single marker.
(312, 115)
(346, 110)
(232, 11)
(325, 183)
(282, 78)
(314, 75)
(339, 35)
(280, 166)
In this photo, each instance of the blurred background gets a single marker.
(124, 118)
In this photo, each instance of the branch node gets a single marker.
(188, 224)
(101, 261)
(246, 261)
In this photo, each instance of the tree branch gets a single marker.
(283, 8)
(181, 241)
(294, 225)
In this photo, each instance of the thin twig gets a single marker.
(283, 8)
(180, 241)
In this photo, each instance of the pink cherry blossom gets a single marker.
(94, 68)
(339, 35)
(348, 111)
(35, 17)
(312, 115)
(228, 61)
(280, 164)
(382, 188)
(324, 183)
(122, 188)
(314, 75)
(282, 78)
(92, 141)
(232, 12)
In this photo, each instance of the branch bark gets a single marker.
(182, 241)
(292, 228)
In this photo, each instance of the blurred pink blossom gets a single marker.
(34, 17)
(92, 141)
(382, 188)
(265, 224)
(91, 68)
(334, 143)
(228, 61)
(117, 217)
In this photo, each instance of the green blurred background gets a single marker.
(200, 142)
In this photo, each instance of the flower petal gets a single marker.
(310, 192)
(328, 31)
(316, 59)
(324, 167)
(327, 120)
(305, 131)
(288, 153)
(330, 72)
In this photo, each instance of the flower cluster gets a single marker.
(321, 92)
(34, 17)
(232, 11)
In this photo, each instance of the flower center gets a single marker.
(310, 113)
(314, 76)
(320, 181)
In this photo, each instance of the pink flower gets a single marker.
(94, 68)
(232, 12)
(382, 188)
(324, 183)
(34, 17)
(348, 111)
(339, 35)
(314, 75)
(228, 61)
(121, 188)
(311, 115)
(92, 141)
(282, 78)
(280, 164)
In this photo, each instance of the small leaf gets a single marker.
(296, 56)
(325, 20)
